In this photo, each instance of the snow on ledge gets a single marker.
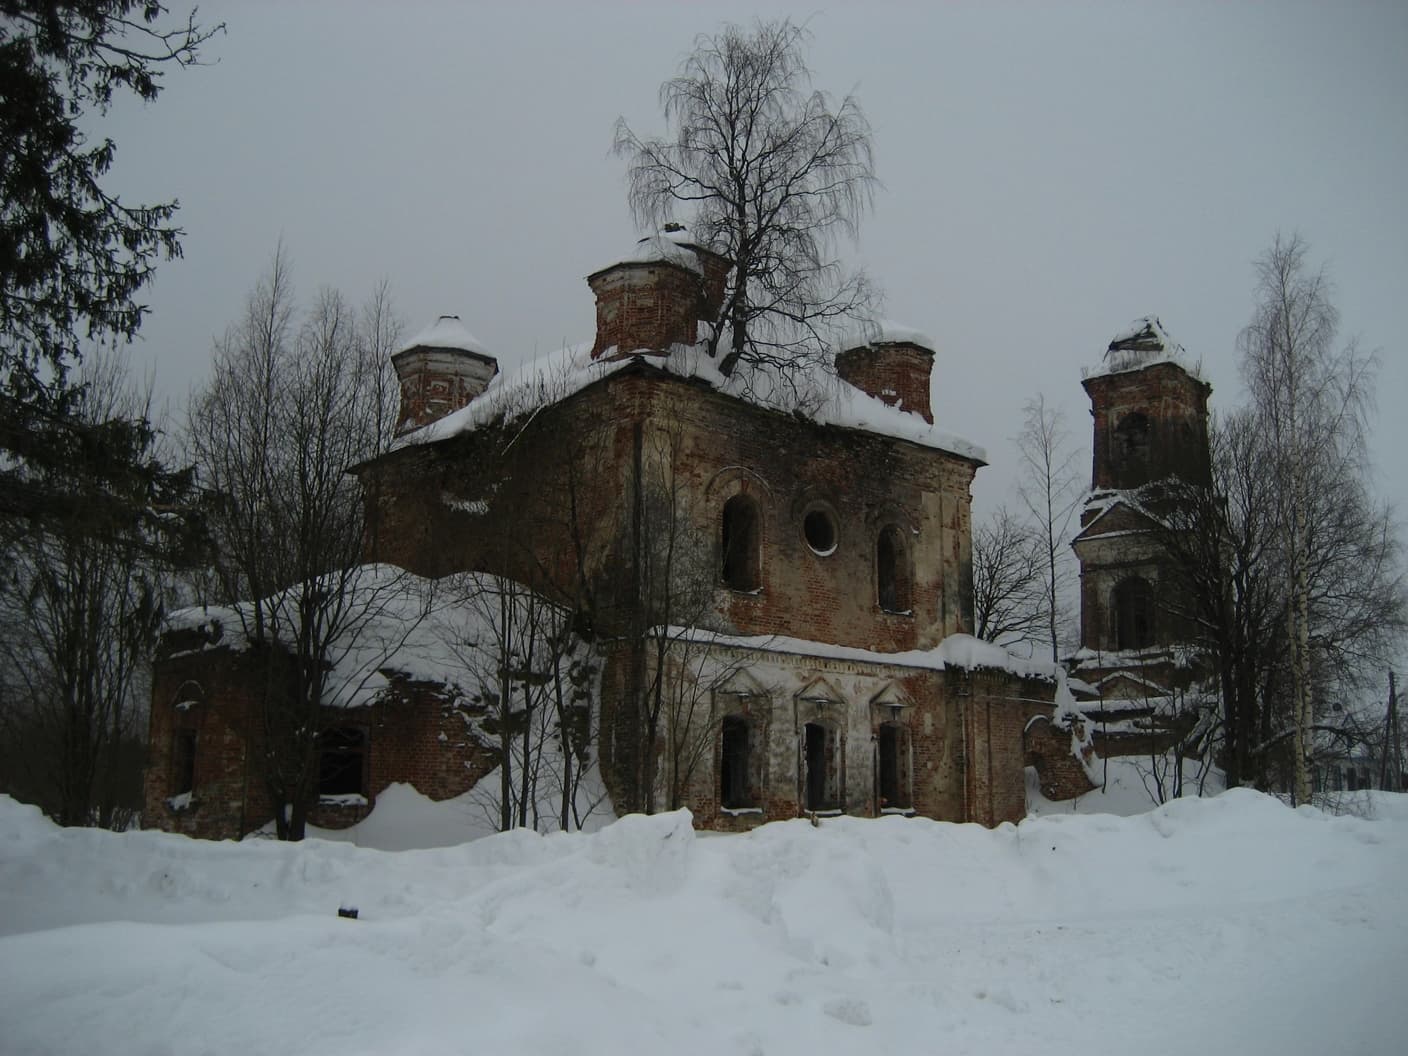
(959, 651)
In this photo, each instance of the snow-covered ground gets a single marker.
(1230, 924)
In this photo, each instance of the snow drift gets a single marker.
(1232, 922)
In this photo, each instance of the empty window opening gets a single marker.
(341, 754)
(735, 749)
(821, 757)
(892, 571)
(819, 530)
(1132, 440)
(183, 762)
(739, 544)
(894, 766)
(1134, 615)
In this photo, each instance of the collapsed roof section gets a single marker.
(1142, 344)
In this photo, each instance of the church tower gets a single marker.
(1150, 410)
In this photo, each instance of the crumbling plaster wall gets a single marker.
(964, 733)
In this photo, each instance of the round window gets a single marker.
(819, 529)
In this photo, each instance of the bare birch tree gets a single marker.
(1050, 491)
(774, 174)
(1312, 398)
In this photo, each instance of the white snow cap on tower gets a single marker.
(446, 332)
(1142, 343)
(663, 246)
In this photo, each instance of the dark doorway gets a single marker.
(820, 759)
(733, 764)
(893, 762)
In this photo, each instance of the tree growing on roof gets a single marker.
(73, 256)
(290, 406)
(774, 174)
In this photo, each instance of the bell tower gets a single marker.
(1149, 408)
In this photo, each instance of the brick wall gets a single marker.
(214, 694)
(417, 734)
(1048, 750)
(645, 306)
(896, 373)
(1176, 406)
(436, 381)
(544, 502)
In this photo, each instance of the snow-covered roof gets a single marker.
(885, 332)
(815, 393)
(1141, 344)
(394, 623)
(446, 332)
(669, 247)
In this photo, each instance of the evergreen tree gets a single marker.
(73, 257)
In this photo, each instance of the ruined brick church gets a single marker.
(822, 537)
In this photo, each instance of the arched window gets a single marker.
(735, 759)
(893, 763)
(739, 537)
(1134, 614)
(892, 577)
(1132, 440)
(341, 754)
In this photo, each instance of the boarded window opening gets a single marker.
(341, 754)
(735, 750)
(183, 762)
(822, 777)
(739, 544)
(892, 572)
(1134, 614)
(894, 766)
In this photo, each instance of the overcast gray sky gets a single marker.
(1050, 171)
